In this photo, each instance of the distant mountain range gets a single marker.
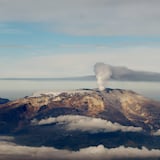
(118, 74)
(3, 100)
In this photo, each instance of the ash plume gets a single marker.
(103, 74)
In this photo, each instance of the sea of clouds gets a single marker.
(12, 151)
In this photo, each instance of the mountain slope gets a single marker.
(115, 105)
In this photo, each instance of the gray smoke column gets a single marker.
(103, 73)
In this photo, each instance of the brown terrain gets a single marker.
(116, 105)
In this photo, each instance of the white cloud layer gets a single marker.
(89, 124)
(70, 64)
(82, 17)
(87, 17)
(157, 133)
(12, 151)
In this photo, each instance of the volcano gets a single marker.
(81, 118)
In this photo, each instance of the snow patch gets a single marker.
(56, 93)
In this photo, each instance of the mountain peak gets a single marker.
(116, 105)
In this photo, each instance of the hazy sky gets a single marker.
(58, 38)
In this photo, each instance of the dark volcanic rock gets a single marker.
(55, 136)
(3, 100)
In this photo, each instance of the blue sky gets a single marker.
(51, 38)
